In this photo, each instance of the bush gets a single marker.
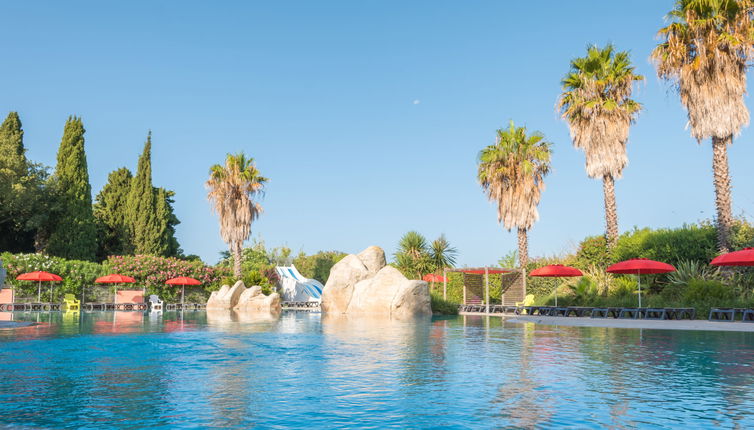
(441, 306)
(151, 272)
(76, 274)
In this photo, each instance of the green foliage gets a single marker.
(167, 244)
(317, 266)
(23, 203)
(74, 234)
(593, 251)
(689, 270)
(415, 258)
(76, 274)
(508, 261)
(110, 211)
(152, 271)
(441, 306)
(141, 214)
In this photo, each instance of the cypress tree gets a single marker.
(142, 209)
(73, 235)
(166, 221)
(110, 212)
(21, 190)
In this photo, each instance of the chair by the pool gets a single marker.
(71, 302)
(528, 300)
(155, 303)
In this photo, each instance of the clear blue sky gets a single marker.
(366, 115)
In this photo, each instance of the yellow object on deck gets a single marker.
(528, 300)
(72, 303)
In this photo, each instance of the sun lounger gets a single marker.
(681, 313)
(632, 313)
(655, 314)
(748, 315)
(725, 314)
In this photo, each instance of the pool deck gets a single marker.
(627, 323)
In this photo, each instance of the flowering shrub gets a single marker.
(76, 274)
(149, 271)
(152, 272)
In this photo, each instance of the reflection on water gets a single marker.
(222, 369)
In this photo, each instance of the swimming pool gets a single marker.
(129, 369)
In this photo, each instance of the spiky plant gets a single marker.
(441, 254)
(233, 188)
(412, 255)
(704, 53)
(596, 102)
(511, 172)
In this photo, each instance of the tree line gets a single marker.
(51, 211)
(704, 53)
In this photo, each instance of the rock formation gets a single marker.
(364, 285)
(242, 299)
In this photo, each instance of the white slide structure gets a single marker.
(297, 288)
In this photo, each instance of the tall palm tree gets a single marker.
(705, 51)
(512, 172)
(596, 102)
(232, 190)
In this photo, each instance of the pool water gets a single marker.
(134, 370)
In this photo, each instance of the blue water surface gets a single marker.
(135, 370)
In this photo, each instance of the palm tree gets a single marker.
(412, 254)
(512, 174)
(705, 51)
(441, 254)
(232, 190)
(596, 102)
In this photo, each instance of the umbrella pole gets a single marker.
(444, 284)
(51, 298)
(183, 292)
(639, 282)
(487, 290)
(556, 295)
(39, 292)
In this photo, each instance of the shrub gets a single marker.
(441, 306)
(76, 274)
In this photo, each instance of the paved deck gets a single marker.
(631, 323)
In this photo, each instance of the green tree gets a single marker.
(511, 172)
(166, 222)
(142, 206)
(441, 254)
(110, 211)
(412, 256)
(73, 235)
(705, 52)
(597, 104)
(23, 208)
(233, 188)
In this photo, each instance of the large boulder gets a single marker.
(373, 258)
(253, 301)
(226, 297)
(363, 285)
(339, 287)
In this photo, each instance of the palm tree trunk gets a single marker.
(611, 211)
(235, 248)
(523, 248)
(722, 191)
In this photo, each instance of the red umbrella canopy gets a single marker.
(39, 276)
(431, 277)
(744, 257)
(115, 279)
(183, 280)
(640, 266)
(556, 271)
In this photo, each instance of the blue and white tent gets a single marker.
(297, 288)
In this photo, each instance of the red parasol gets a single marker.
(115, 278)
(744, 257)
(639, 266)
(183, 281)
(40, 276)
(431, 277)
(556, 271)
